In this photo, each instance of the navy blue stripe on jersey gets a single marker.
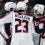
(7, 28)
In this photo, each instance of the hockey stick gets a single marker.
(39, 39)
(4, 38)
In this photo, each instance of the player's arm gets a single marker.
(38, 27)
(6, 39)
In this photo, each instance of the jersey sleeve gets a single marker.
(3, 31)
(38, 27)
(6, 19)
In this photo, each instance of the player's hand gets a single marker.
(8, 40)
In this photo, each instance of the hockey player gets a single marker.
(7, 6)
(22, 25)
(38, 12)
(42, 42)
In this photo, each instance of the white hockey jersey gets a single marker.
(22, 28)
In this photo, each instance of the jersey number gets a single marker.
(20, 24)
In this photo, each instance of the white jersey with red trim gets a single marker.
(22, 28)
(2, 40)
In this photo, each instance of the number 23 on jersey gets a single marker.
(21, 26)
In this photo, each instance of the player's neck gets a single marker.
(37, 16)
(22, 12)
(7, 13)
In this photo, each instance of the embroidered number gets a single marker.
(20, 24)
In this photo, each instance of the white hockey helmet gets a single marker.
(9, 5)
(21, 6)
(39, 8)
